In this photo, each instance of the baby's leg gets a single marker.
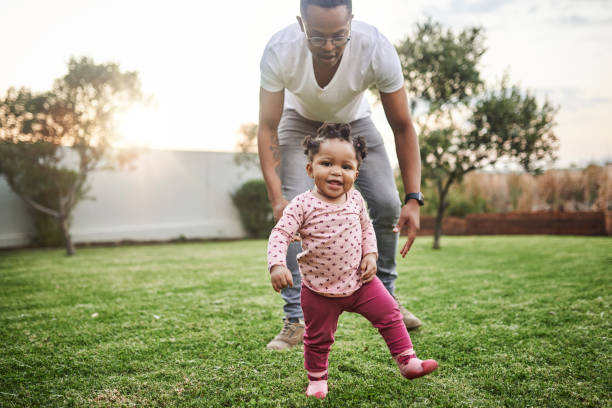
(321, 320)
(378, 306)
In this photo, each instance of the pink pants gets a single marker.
(321, 314)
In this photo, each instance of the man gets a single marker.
(318, 70)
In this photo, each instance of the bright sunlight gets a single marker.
(143, 126)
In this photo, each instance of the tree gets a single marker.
(247, 156)
(465, 126)
(50, 142)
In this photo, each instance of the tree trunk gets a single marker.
(438, 227)
(67, 238)
(442, 192)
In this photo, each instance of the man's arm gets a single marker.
(396, 109)
(270, 111)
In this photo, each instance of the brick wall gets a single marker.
(554, 223)
(450, 226)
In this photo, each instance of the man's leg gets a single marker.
(377, 185)
(291, 132)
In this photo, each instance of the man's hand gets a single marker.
(278, 207)
(280, 277)
(409, 217)
(277, 212)
(396, 109)
(368, 267)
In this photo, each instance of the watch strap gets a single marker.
(415, 196)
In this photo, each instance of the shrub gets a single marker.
(47, 231)
(251, 199)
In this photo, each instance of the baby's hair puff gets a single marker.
(340, 131)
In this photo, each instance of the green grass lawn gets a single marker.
(513, 321)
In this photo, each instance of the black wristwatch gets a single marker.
(415, 196)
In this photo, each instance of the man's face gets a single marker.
(328, 23)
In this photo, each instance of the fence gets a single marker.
(167, 195)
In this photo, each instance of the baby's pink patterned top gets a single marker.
(335, 237)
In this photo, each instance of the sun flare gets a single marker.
(143, 126)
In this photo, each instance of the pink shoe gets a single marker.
(317, 389)
(411, 367)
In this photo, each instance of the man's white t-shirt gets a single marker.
(368, 59)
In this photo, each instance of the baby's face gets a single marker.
(334, 169)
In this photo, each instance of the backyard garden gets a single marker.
(520, 321)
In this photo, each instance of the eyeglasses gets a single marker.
(322, 41)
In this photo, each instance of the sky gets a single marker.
(200, 59)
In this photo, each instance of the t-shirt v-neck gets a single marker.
(336, 74)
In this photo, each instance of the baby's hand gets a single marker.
(368, 267)
(280, 277)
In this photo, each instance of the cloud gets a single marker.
(579, 21)
(569, 13)
(572, 99)
(477, 6)
(574, 13)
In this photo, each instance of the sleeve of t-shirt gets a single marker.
(387, 68)
(368, 237)
(283, 232)
(271, 78)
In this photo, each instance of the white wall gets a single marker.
(166, 195)
(16, 227)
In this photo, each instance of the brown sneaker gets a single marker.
(410, 320)
(291, 335)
